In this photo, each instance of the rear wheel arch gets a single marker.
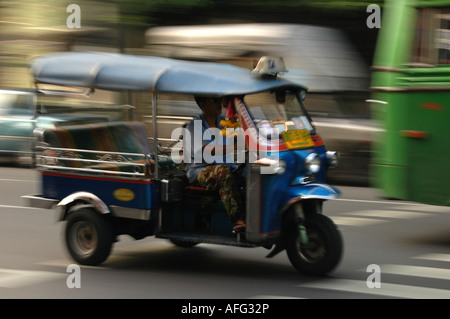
(79, 200)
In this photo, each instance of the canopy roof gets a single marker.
(145, 73)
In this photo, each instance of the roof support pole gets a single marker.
(155, 131)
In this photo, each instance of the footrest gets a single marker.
(198, 191)
(232, 240)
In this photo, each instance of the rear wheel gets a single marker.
(323, 249)
(89, 237)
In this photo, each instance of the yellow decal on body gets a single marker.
(123, 194)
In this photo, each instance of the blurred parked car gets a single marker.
(20, 114)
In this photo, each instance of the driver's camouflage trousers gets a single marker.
(221, 178)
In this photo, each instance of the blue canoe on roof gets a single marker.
(146, 73)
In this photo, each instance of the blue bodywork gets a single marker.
(144, 193)
(273, 205)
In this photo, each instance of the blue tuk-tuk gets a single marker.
(110, 179)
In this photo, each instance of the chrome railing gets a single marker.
(71, 159)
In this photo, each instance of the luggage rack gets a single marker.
(103, 162)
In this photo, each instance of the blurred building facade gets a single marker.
(30, 28)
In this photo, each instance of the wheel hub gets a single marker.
(314, 250)
(83, 238)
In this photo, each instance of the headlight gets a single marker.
(281, 167)
(312, 163)
(332, 159)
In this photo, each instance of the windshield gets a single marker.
(278, 112)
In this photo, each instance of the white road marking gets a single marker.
(19, 207)
(13, 278)
(388, 214)
(376, 201)
(66, 262)
(386, 289)
(435, 257)
(427, 208)
(416, 271)
(400, 204)
(355, 221)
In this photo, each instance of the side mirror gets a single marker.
(303, 95)
(129, 109)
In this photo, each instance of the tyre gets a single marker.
(323, 251)
(89, 237)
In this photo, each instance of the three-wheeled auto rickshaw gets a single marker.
(110, 179)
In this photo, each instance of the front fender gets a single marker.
(298, 193)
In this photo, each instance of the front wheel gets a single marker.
(89, 237)
(323, 249)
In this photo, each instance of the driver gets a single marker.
(215, 176)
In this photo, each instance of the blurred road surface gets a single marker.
(408, 242)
